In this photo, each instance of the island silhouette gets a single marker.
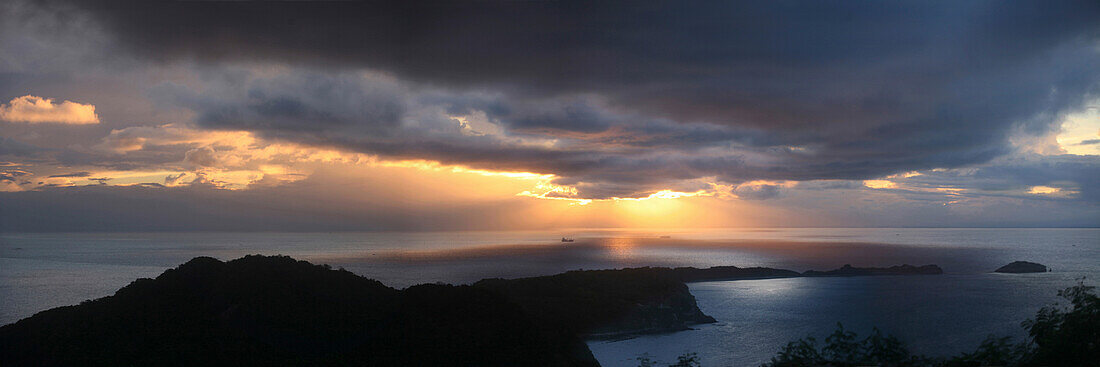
(275, 310)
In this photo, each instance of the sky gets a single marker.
(504, 115)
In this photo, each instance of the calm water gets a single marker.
(935, 314)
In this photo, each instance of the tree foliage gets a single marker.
(1059, 336)
(683, 360)
(1067, 336)
(844, 348)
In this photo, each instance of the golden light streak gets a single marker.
(1043, 190)
(667, 194)
(553, 192)
(546, 196)
(237, 160)
(426, 165)
(905, 175)
(880, 184)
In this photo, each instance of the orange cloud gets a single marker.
(1040, 190)
(880, 184)
(32, 109)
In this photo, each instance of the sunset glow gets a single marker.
(557, 142)
(549, 183)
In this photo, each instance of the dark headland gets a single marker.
(848, 271)
(1022, 267)
(274, 310)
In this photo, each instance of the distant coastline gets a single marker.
(224, 299)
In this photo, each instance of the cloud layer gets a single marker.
(757, 102)
(642, 97)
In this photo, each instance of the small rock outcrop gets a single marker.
(1022, 267)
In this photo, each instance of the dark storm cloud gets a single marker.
(757, 192)
(829, 185)
(12, 147)
(634, 157)
(306, 102)
(642, 95)
(573, 115)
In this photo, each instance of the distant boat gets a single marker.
(565, 239)
(666, 237)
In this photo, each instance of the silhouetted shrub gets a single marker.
(843, 348)
(1060, 336)
(1067, 336)
(684, 360)
(993, 351)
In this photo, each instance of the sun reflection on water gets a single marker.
(621, 249)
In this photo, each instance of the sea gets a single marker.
(935, 315)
